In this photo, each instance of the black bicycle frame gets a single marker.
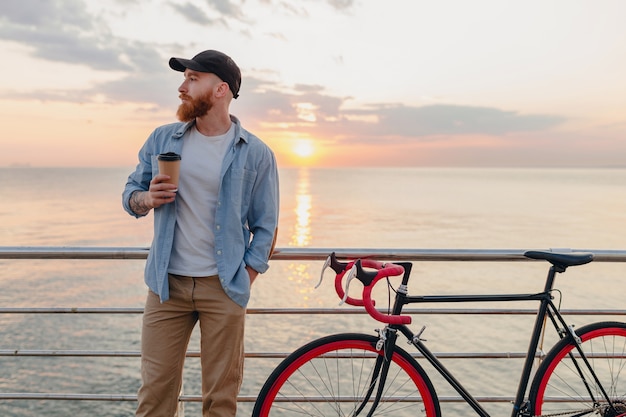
(546, 309)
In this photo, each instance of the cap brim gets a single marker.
(181, 64)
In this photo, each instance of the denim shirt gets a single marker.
(246, 217)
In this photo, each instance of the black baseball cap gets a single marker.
(214, 62)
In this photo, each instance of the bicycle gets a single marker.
(353, 374)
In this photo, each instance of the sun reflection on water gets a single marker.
(300, 272)
(301, 235)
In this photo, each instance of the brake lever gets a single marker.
(348, 277)
(326, 266)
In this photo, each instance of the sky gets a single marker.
(486, 83)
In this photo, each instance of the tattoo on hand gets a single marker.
(138, 204)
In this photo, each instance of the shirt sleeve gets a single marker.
(140, 179)
(263, 214)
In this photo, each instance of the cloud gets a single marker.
(305, 108)
(64, 31)
(291, 9)
(341, 4)
(265, 104)
(196, 14)
(192, 13)
(226, 8)
(46, 13)
(445, 119)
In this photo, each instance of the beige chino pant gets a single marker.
(166, 331)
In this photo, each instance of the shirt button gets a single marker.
(219, 252)
(218, 227)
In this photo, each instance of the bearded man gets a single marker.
(213, 234)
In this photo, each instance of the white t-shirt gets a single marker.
(193, 253)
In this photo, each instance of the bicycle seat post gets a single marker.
(550, 278)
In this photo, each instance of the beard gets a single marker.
(194, 107)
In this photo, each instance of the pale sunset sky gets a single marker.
(325, 82)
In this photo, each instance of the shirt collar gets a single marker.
(239, 131)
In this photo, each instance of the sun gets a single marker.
(303, 148)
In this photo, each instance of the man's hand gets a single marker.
(252, 273)
(159, 193)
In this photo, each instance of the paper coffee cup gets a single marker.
(169, 164)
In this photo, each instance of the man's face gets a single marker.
(196, 93)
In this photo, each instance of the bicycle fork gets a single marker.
(386, 342)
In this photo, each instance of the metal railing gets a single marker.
(281, 254)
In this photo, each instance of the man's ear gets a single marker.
(222, 89)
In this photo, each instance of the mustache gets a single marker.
(184, 97)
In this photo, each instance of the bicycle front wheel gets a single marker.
(565, 385)
(333, 376)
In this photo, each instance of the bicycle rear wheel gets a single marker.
(564, 385)
(331, 376)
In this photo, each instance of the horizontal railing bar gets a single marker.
(316, 311)
(318, 399)
(256, 355)
(62, 396)
(187, 398)
(183, 398)
(241, 398)
(305, 254)
(72, 353)
(71, 310)
(434, 311)
(265, 355)
(71, 252)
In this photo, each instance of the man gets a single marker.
(213, 233)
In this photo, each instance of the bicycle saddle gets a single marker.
(561, 260)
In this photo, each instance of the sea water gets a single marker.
(409, 208)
